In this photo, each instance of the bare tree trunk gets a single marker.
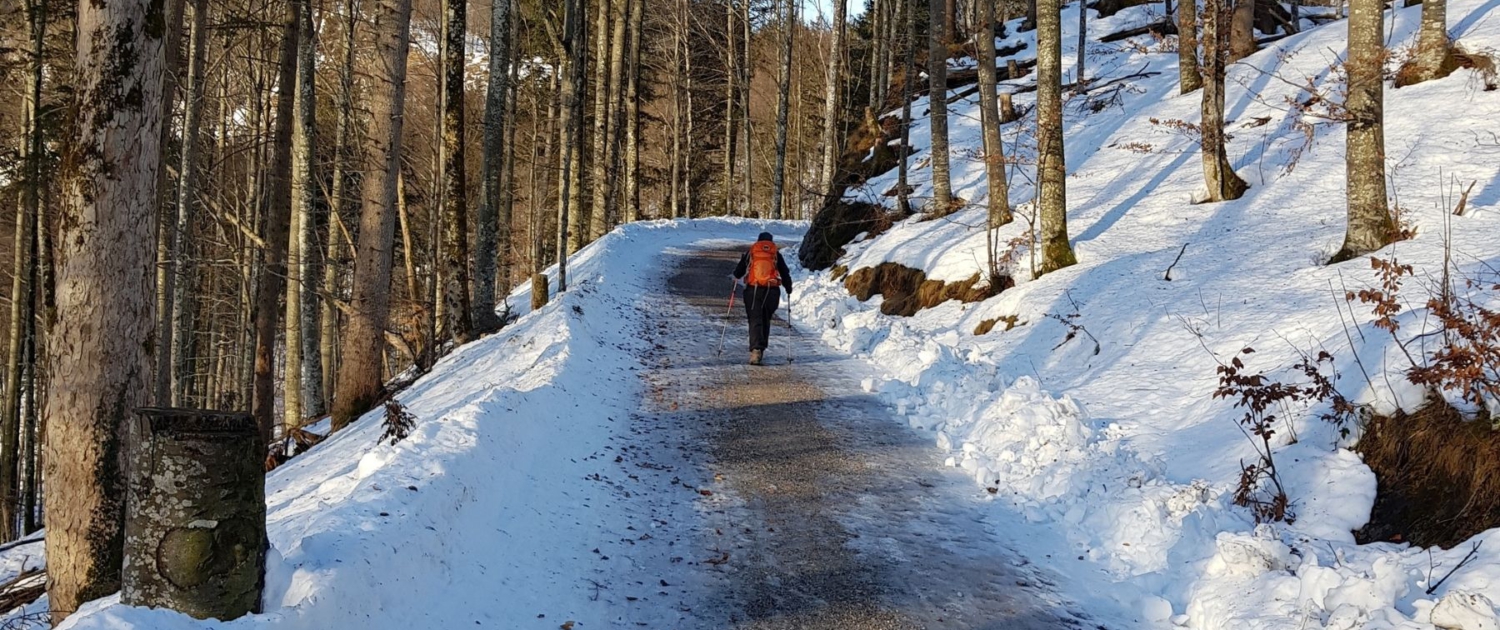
(577, 227)
(359, 384)
(1242, 30)
(571, 111)
(611, 206)
(302, 238)
(832, 103)
(492, 186)
(950, 21)
(1079, 83)
(457, 322)
(679, 104)
(747, 147)
(690, 139)
(731, 102)
(595, 222)
(879, 16)
(1188, 78)
(165, 276)
(100, 367)
(606, 85)
(632, 194)
(1218, 176)
(903, 195)
(339, 205)
(506, 235)
(989, 119)
(276, 211)
(1432, 40)
(783, 95)
(937, 96)
(408, 250)
(22, 303)
(1052, 201)
(182, 271)
(1371, 225)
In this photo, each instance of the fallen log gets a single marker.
(1160, 27)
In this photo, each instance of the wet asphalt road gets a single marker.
(824, 512)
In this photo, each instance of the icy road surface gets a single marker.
(828, 513)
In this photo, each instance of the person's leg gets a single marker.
(747, 296)
(754, 299)
(769, 304)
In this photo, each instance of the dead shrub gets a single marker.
(1409, 73)
(1261, 397)
(1438, 476)
(1466, 361)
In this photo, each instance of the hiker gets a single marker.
(764, 274)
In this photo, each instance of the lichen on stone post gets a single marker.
(195, 524)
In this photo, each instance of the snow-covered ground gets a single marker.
(1119, 456)
(1112, 467)
(503, 507)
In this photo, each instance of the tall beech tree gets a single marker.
(1052, 173)
(1219, 178)
(100, 354)
(1371, 225)
(937, 97)
(359, 382)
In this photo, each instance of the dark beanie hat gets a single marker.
(764, 236)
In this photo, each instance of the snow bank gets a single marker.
(1119, 456)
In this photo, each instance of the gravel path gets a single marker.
(822, 511)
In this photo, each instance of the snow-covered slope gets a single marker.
(1120, 457)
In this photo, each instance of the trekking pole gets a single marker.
(727, 314)
(789, 330)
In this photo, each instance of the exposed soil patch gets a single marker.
(1438, 475)
(836, 225)
(908, 290)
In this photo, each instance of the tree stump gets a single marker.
(1007, 108)
(195, 515)
(539, 290)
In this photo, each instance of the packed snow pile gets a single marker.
(1088, 414)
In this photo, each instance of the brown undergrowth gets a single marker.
(1438, 477)
(1010, 321)
(1410, 74)
(907, 291)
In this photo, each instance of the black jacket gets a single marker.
(781, 268)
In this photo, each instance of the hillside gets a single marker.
(1089, 405)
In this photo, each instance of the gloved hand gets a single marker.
(788, 290)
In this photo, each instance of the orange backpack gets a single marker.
(762, 272)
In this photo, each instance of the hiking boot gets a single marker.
(755, 356)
